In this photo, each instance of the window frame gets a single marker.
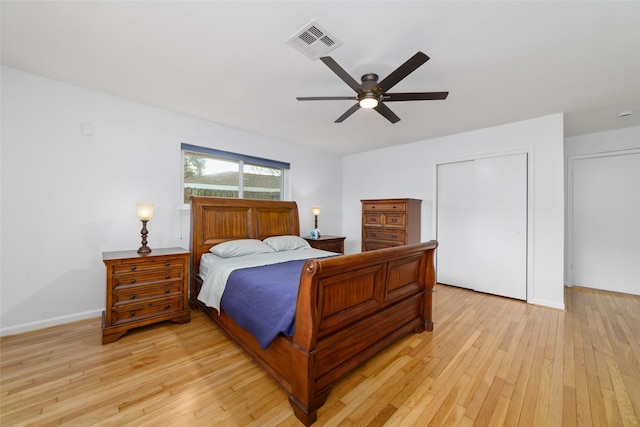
(241, 159)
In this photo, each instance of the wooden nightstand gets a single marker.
(327, 243)
(144, 289)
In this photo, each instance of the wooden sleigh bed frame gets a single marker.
(349, 308)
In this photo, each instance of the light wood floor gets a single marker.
(490, 361)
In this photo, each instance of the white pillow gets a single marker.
(240, 247)
(286, 243)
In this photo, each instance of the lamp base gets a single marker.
(144, 249)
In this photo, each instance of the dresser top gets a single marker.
(106, 256)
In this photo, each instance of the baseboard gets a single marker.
(47, 323)
(549, 304)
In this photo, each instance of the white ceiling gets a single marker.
(228, 62)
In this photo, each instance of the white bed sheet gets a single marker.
(215, 270)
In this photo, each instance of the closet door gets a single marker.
(606, 223)
(482, 225)
(500, 216)
(455, 224)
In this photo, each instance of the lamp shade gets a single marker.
(315, 210)
(145, 211)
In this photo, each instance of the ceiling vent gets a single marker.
(313, 41)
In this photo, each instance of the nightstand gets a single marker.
(327, 243)
(143, 289)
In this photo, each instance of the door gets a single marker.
(455, 224)
(501, 226)
(606, 222)
(482, 225)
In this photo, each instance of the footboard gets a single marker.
(349, 309)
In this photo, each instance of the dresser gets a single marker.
(390, 222)
(327, 243)
(143, 289)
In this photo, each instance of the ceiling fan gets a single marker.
(373, 95)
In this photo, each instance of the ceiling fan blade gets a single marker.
(415, 96)
(403, 71)
(347, 113)
(333, 65)
(387, 113)
(326, 98)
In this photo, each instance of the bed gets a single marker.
(349, 307)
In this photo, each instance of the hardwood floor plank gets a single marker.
(490, 361)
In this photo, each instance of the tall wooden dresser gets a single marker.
(145, 289)
(390, 222)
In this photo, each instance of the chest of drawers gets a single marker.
(144, 289)
(390, 222)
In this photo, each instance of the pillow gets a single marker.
(234, 248)
(286, 243)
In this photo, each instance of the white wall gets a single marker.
(66, 197)
(408, 171)
(601, 142)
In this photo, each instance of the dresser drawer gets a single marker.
(139, 265)
(142, 309)
(395, 220)
(378, 206)
(374, 219)
(372, 245)
(135, 293)
(385, 235)
(146, 277)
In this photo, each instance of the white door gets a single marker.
(501, 226)
(606, 223)
(455, 224)
(482, 225)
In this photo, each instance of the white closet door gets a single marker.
(500, 225)
(606, 223)
(455, 224)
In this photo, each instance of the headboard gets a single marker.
(215, 220)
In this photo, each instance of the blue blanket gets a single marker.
(263, 299)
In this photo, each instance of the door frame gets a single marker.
(569, 275)
(529, 151)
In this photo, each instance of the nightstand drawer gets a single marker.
(145, 264)
(134, 312)
(128, 294)
(146, 277)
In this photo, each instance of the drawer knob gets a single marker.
(168, 263)
(394, 219)
(372, 220)
(373, 234)
(132, 313)
(394, 236)
(133, 267)
(166, 307)
(168, 276)
(166, 291)
(132, 296)
(133, 281)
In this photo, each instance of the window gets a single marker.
(215, 173)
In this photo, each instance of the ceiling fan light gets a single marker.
(368, 102)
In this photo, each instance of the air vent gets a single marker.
(313, 41)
